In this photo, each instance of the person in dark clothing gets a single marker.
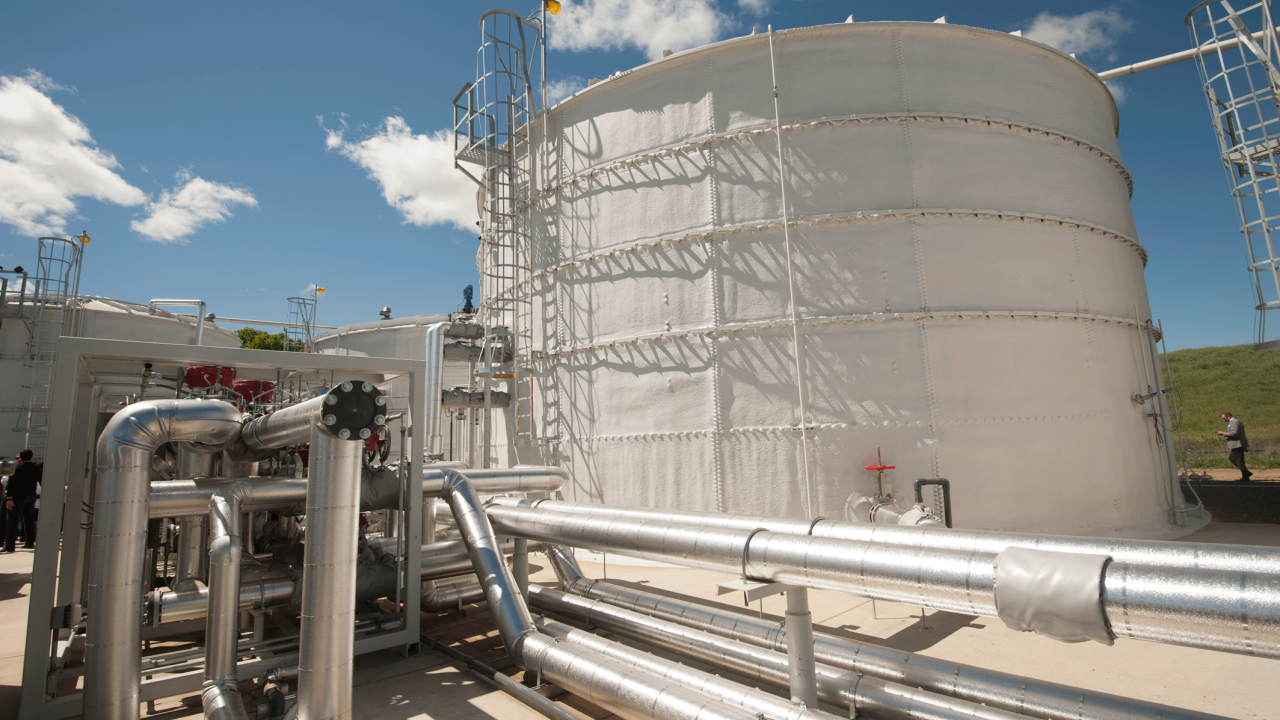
(21, 501)
(1237, 445)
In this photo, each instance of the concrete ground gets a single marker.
(389, 687)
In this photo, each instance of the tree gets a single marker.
(254, 339)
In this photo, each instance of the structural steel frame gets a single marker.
(57, 578)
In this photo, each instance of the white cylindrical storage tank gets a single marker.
(403, 338)
(968, 284)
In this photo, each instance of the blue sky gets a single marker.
(239, 152)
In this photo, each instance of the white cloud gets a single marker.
(558, 90)
(415, 172)
(757, 7)
(48, 159)
(1118, 91)
(650, 26)
(196, 202)
(1091, 32)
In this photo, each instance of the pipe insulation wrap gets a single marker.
(1027, 696)
(113, 654)
(326, 645)
(1225, 610)
(1055, 594)
(1153, 553)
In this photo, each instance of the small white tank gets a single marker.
(968, 284)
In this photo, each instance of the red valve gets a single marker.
(881, 467)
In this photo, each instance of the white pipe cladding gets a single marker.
(942, 318)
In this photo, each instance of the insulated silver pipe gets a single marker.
(861, 694)
(220, 695)
(448, 597)
(1153, 553)
(326, 645)
(193, 544)
(432, 388)
(629, 693)
(284, 427)
(179, 498)
(769, 705)
(1023, 695)
(113, 651)
(1218, 610)
(194, 604)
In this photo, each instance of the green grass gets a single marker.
(1235, 379)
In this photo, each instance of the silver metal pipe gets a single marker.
(179, 498)
(221, 692)
(200, 308)
(1218, 610)
(1027, 696)
(194, 604)
(486, 481)
(769, 705)
(193, 549)
(629, 693)
(284, 427)
(113, 651)
(861, 694)
(449, 597)
(432, 388)
(1153, 553)
(326, 646)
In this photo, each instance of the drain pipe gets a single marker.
(1067, 596)
(1153, 553)
(1023, 695)
(326, 644)
(113, 653)
(200, 308)
(863, 695)
(632, 694)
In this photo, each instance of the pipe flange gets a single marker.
(352, 407)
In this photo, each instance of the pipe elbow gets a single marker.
(146, 425)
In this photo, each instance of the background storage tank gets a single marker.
(92, 317)
(967, 281)
(401, 338)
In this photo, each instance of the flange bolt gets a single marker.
(344, 434)
(330, 419)
(346, 386)
(364, 433)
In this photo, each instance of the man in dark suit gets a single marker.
(21, 501)
(1237, 444)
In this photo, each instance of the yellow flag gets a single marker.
(320, 290)
(553, 6)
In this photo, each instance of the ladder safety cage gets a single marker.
(493, 120)
(55, 287)
(1241, 85)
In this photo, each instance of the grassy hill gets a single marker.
(1234, 379)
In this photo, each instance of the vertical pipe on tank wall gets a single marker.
(793, 310)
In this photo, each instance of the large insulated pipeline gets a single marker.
(113, 653)
(767, 704)
(627, 692)
(1026, 696)
(1152, 553)
(864, 695)
(220, 694)
(1067, 596)
(326, 645)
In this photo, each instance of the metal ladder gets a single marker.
(492, 132)
(56, 284)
